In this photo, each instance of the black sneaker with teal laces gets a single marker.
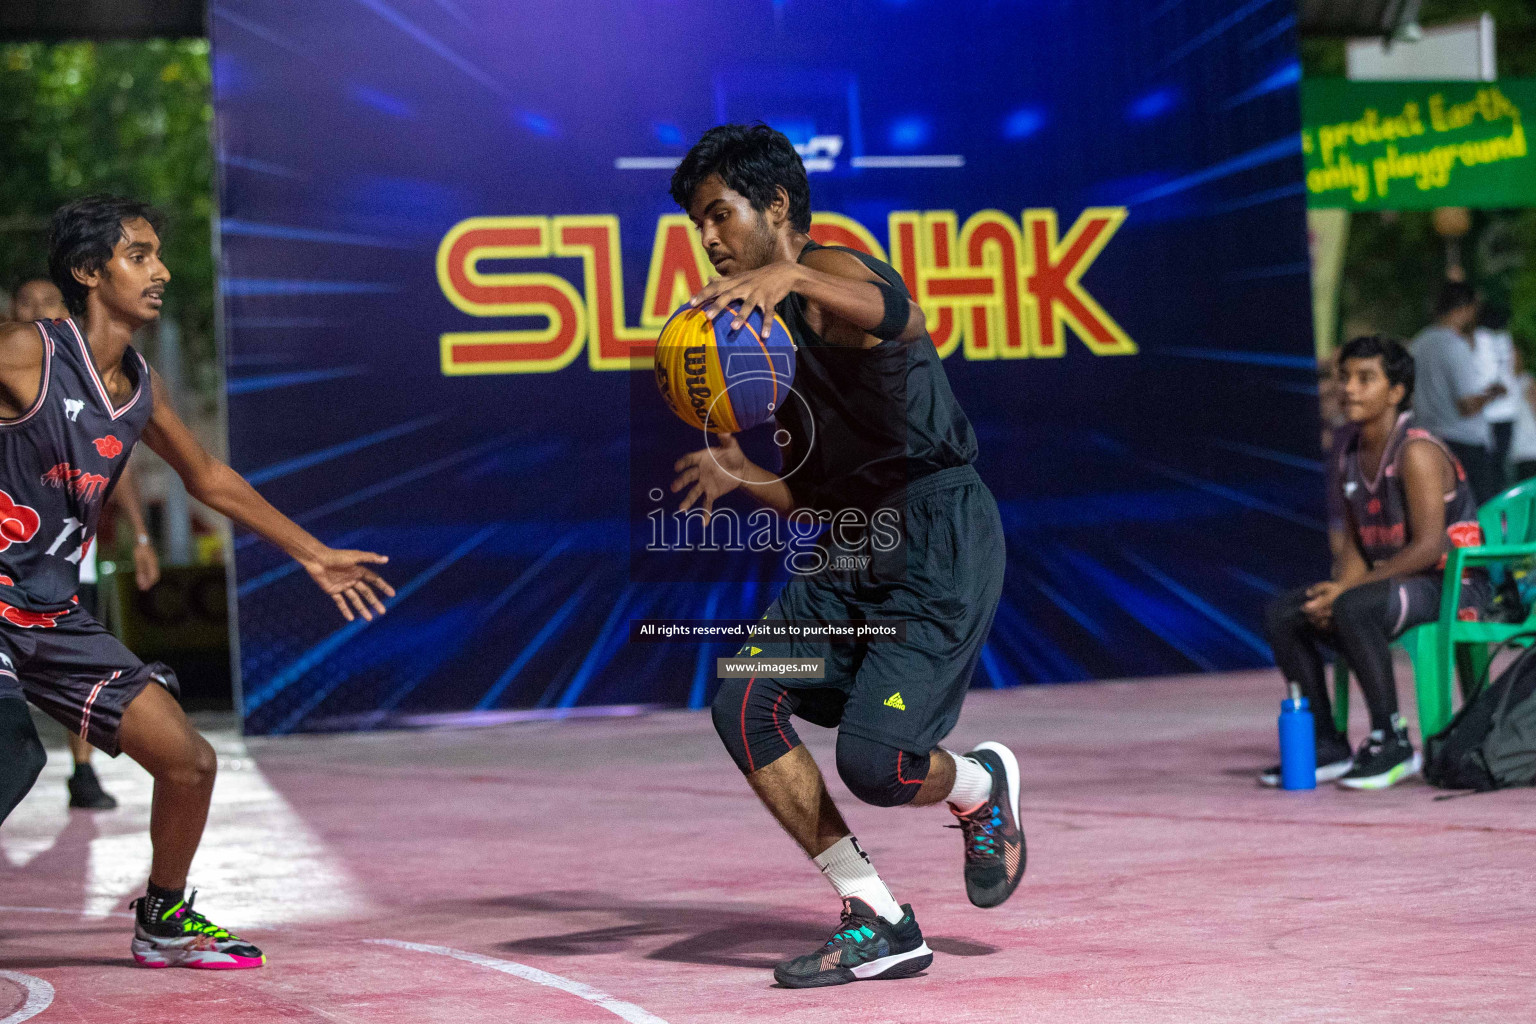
(865, 946)
(994, 839)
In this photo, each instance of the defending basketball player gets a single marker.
(74, 399)
(879, 430)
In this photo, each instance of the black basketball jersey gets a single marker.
(873, 420)
(1379, 505)
(58, 463)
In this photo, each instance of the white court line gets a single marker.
(39, 996)
(56, 910)
(646, 163)
(628, 1011)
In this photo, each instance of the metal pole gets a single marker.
(178, 514)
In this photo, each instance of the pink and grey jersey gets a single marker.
(59, 461)
(1379, 506)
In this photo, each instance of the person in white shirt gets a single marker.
(1450, 390)
(1494, 349)
(1522, 449)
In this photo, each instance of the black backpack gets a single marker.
(1491, 743)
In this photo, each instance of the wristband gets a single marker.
(897, 308)
(142, 538)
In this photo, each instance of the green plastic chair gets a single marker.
(1447, 647)
(1422, 644)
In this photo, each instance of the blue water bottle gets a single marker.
(1298, 748)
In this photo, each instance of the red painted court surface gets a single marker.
(619, 869)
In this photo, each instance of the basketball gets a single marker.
(720, 379)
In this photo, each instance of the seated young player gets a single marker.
(74, 399)
(879, 429)
(1406, 501)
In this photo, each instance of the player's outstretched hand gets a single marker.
(761, 289)
(344, 575)
(709, 473)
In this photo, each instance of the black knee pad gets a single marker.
(752, 718)
(879, 774)
(21, 754)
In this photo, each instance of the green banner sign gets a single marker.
(1417, 145)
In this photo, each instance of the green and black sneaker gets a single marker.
(1383, 760)
(181, 937)
(865, 946)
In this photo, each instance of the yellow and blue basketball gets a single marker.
(719, 379)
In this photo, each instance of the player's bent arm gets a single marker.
(846, 290)
(21, 368)
(1427, 476)
(1348, 563)
(126, 497)
(216, 485)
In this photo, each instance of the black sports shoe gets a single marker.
(85, 790)
(865, 946)
(1333, 760)
(1383, 760)
(994, 839)
(181, 937)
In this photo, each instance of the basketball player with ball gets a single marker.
(873, 431)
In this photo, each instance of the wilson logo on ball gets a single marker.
(720, 379)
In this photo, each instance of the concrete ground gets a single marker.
(598, 869)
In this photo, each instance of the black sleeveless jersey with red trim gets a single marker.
(58, 463)
(1379, 505)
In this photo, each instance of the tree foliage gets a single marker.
(1395, 261)
(131, 118)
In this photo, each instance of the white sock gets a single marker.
(848, 868)
(973, 784)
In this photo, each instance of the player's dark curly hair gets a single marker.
(1396, 360)
(82, 236)
(754, 160)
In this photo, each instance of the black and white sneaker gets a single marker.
(1333, 760)
(994, 838)
(1383, 760)
(85, 790)
(864, 947)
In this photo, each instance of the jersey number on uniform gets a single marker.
(71, 524)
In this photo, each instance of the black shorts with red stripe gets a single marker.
(70, 667)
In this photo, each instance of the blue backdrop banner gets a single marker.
(447, 243)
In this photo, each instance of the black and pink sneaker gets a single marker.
(184, 938)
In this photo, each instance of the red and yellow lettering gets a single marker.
(995, 290)
(990, 243)
(679, 269)
(531, 350)
(1052, 279)
(835, 229)
(919, 243)
(613, 345)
